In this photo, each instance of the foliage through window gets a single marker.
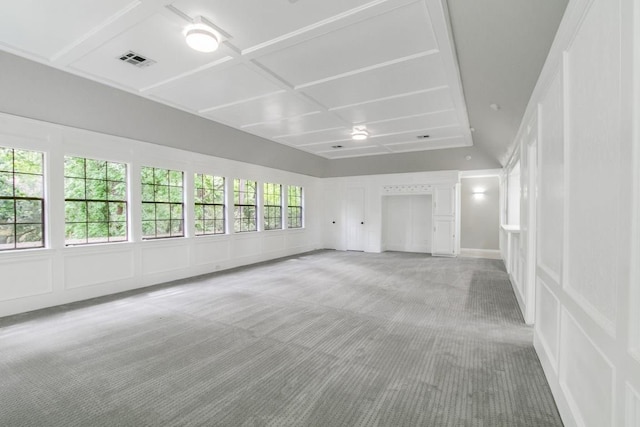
(95, 205)
(272, 206)
(21, 199)
(162, 203)
(244, 205)
(294, 207)
(209, 204)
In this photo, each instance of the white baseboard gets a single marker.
(480, 253)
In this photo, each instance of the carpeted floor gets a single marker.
(322, 339)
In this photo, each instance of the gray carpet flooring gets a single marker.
(322, 339)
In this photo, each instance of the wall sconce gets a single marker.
(479, 193)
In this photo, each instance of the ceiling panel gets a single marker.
(422, 121)
(451, 142)
(340, 134)
(417, 135)
(214, 87)
(419, 103)
(396, 34)
(407, 76)
(365, 151)
(253, 22)
(45, 28)
(297, 125)
(167, 47)
(268, 108)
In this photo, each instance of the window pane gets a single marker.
(117, 231)
(6, 159)
(163, 211)
(162, 193)
(7, 213)
(97, 211)
(118, 211)
(28, 185)
(6, 184)
(176, 211)
(161, 176)
(116, 171)
(163, 228)
(117, 190)
(28, 236)
(74, 167)
(28, 161)
(98, 232)
(147, 193)
(175, 195)
(96, 189)
(28, 211)
(96, 169)
(7, 238)
(175, 178)
(148, 228)
(75, 211)
(146, 175)
(74, 188)
(176, 228)
(148, 212)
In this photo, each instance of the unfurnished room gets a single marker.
(320, 213)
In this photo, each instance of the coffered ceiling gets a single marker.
(298, 72)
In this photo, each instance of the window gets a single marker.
(294, 207)
(272, 206)
(21, 199)
(244, 204)
(209, 204)
(162, 203)
(95, 201)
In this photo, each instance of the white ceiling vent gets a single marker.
(136, 59)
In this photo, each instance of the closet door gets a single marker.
(443, 237)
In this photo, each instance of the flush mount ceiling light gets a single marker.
(359, 133)
(201, 37)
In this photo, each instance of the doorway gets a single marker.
(355, 219)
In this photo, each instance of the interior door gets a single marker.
(443, 236)
(355, 219)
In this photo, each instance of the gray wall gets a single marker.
(480, 216)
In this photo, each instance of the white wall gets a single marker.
(31, 279)
(375, 187)
(585, 112)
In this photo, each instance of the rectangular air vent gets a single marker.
(136, 59)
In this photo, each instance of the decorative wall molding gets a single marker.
(407, 189)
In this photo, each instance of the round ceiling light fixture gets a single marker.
(201, 37)
(359, 133)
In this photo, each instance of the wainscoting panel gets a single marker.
(632, 407)
(164, 258)
(210, 250)
(273, 242)
(25, 277)
(246, 246)
(594, 161)
(548, 321)
(97, 266)
(586, 376)
(551, 179)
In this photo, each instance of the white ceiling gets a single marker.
(298, 72)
